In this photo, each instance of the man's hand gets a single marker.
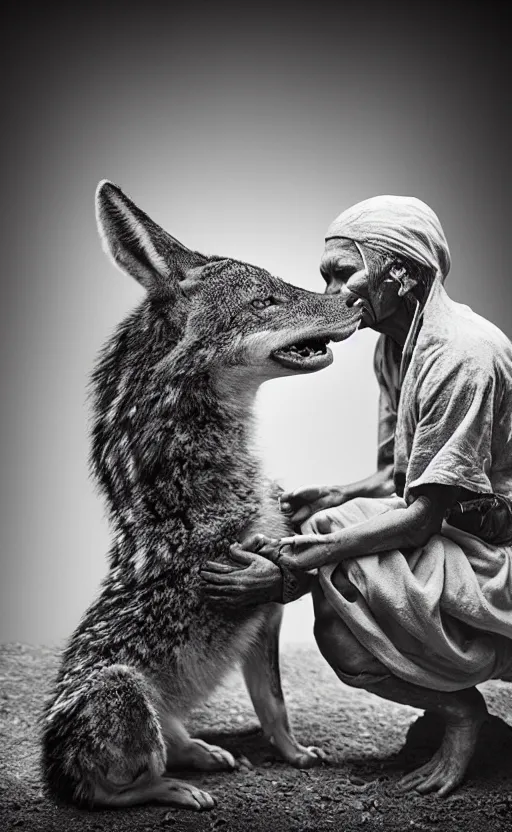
(299, 553)
(303, 552)
(302, 503)
(252, 580)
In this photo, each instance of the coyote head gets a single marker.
(213, 313)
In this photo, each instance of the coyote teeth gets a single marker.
(306, 349)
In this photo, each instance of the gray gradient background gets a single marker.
(243, 134)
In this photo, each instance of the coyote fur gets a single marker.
(173, 396)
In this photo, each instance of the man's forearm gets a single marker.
(379, 484)
(400, 528)
(395, 529)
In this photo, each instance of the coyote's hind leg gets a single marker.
(110, 751)
(263, 680)
(164, 790)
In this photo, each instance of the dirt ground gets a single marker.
(355, 790)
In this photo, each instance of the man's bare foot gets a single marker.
(446, 770)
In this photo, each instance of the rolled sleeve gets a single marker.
(453, 435)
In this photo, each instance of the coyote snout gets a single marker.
(172, 452)
(231, 312)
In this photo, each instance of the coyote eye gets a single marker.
(262, 303)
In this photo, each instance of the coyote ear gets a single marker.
(140, 247)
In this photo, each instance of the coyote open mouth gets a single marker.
(307, 355)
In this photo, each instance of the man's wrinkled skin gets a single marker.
(256, 577)
(260, 578)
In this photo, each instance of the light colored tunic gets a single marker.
(439, 616)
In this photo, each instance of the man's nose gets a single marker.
(333, 288)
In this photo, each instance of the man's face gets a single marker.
(376, 291)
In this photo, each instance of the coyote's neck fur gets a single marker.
(172, 447)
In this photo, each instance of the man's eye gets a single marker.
(262, 303)
(342, 272)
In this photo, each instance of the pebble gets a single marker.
(357, 781)
(169, 817)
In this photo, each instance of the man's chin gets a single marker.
(368, 320)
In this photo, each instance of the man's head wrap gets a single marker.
(402, 226)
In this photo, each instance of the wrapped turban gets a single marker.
(397, 225)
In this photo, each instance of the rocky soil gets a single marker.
(370, 744)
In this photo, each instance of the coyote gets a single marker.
(173, 395)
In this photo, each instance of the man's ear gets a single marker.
(407, 284)
(140, 247)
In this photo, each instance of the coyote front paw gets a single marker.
(302, 756)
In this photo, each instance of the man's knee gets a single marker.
(340, 648)
(323, 522)
(309, 525)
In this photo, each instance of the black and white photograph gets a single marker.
(256, 421)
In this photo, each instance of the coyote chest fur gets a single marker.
(172, 451)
